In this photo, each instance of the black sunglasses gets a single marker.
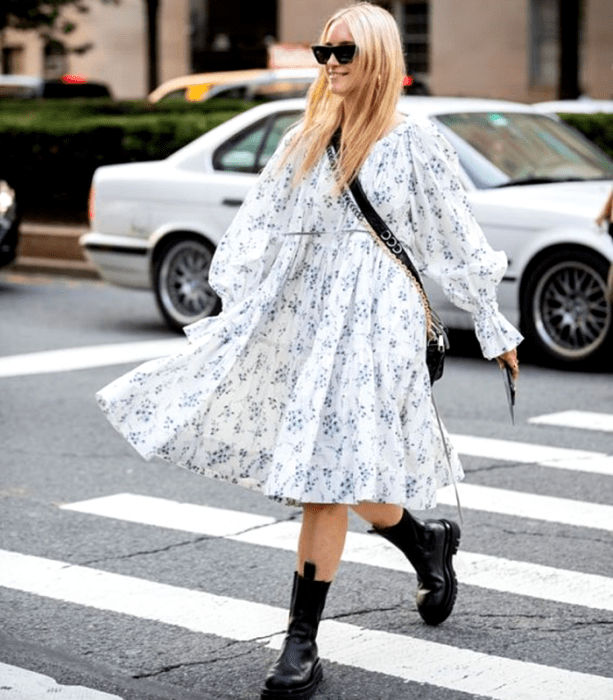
(343, 53)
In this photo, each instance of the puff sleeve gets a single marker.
(448, 243)
(250, 245)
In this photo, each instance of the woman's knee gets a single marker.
(325, 509)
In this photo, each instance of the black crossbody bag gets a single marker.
(438, 341)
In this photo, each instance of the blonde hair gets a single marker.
(380, 62)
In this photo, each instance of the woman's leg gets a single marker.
(379, 515)
(297, 671)
(322, 538)
(429, 546)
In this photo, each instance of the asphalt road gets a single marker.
(141, 598)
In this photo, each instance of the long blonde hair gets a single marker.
(380, 62)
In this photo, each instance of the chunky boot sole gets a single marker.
(441, 612)
(301, 693)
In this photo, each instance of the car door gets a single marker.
(238, 161)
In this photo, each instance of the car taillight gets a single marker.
(91, 205)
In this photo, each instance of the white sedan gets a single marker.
(536, 187)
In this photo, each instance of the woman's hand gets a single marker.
(509, 358)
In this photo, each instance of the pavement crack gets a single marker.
(146, 552)
(365, 611)
(291, 518)
(219, 656)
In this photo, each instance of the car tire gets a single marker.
(564, 308)
(181, 282)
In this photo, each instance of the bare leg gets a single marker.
(322, 538)
(381, 515)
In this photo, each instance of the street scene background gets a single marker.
(122, 579)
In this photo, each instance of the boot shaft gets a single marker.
(307, 604)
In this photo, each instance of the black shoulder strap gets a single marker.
(378, 225)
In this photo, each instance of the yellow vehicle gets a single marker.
(253, 84)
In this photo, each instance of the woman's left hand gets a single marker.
(509, 359)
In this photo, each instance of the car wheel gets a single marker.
(181, 282)
(565, 311)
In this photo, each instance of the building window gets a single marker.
(544, 45)
(55, 59)
(412, 17)
(12, 60)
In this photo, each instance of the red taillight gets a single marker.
(91, 204)
(73, 79)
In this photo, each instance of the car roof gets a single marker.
(428, 105)
(580, 106)
(233, 77)
(413, 104)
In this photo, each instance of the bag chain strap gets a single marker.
(392, 246)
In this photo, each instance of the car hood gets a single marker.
(571, 200)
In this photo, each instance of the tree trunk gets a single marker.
(152, 44)
(569, 14)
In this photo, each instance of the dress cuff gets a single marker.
(495, 334)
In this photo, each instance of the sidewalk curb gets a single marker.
(53, 249)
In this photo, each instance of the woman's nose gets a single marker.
(333, 61)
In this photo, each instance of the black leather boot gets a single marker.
(297, 671)
(429, 546)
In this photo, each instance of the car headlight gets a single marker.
(7, 197)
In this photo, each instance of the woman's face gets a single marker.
(342, 78)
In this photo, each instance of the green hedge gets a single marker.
(597, 127)
(51, 148)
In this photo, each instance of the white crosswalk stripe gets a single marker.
(440, 665)
(494, 573)
(529, 453)
(583, 420)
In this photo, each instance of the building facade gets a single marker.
(117, 36)
(485, 48)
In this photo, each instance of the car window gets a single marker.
(240, 154)
(179, 94)
(279, 126)
(499, 149)
(251, 149)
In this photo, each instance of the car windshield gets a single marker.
(499, 149)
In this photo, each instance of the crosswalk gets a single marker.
(451, 667)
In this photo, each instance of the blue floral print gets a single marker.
(311, 385)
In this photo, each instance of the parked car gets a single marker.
(536, 186)
(580, 106)
(9, 224)
(253, 84)
(31, 86)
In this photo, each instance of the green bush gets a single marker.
(51, 148)
(597, 127)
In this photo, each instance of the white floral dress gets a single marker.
(311, 385)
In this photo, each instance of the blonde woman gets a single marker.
(311, 386)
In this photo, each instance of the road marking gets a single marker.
(494, 573)
(20, 684)
(416, 660)
(70, 359)
(528, 453)
(584, 420)
(532, 506)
